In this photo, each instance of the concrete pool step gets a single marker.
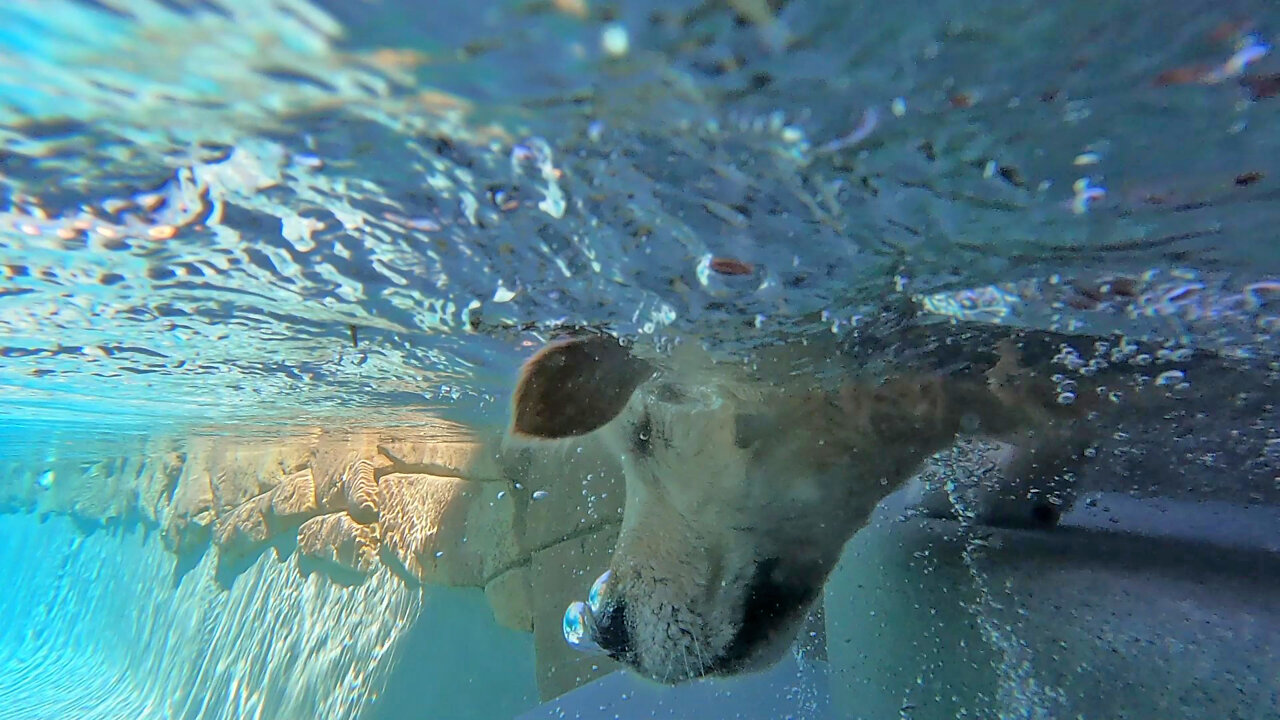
(230, 577)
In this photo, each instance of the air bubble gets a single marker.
(595, 596)
(615, 41)
(578, 627)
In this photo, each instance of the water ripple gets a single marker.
(326, 215)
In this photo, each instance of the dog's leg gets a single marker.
(1000, 483)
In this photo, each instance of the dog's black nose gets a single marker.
(611, 632)
(600, 624)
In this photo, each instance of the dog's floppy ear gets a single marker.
(571, 387)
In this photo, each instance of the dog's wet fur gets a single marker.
(744, 480)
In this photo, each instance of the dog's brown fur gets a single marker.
(741, 492)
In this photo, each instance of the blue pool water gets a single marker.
(230, 229)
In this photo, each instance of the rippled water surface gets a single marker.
(230, 210)
(244, 218)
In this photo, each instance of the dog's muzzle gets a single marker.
(599, 625)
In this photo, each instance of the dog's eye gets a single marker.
(642, 435)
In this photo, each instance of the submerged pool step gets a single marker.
(55, 686)
(101, 626)
(59, 654)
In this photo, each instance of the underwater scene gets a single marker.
(551, 359)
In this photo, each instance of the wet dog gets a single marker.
(744, 480)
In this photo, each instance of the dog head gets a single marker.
(738, 502)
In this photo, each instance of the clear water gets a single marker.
(233, 222)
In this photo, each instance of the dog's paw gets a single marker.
(986, 482)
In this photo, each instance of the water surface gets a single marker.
(248, 220)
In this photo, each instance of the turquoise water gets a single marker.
(238, 222)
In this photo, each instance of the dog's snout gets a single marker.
(612, 634)
(600, 624)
